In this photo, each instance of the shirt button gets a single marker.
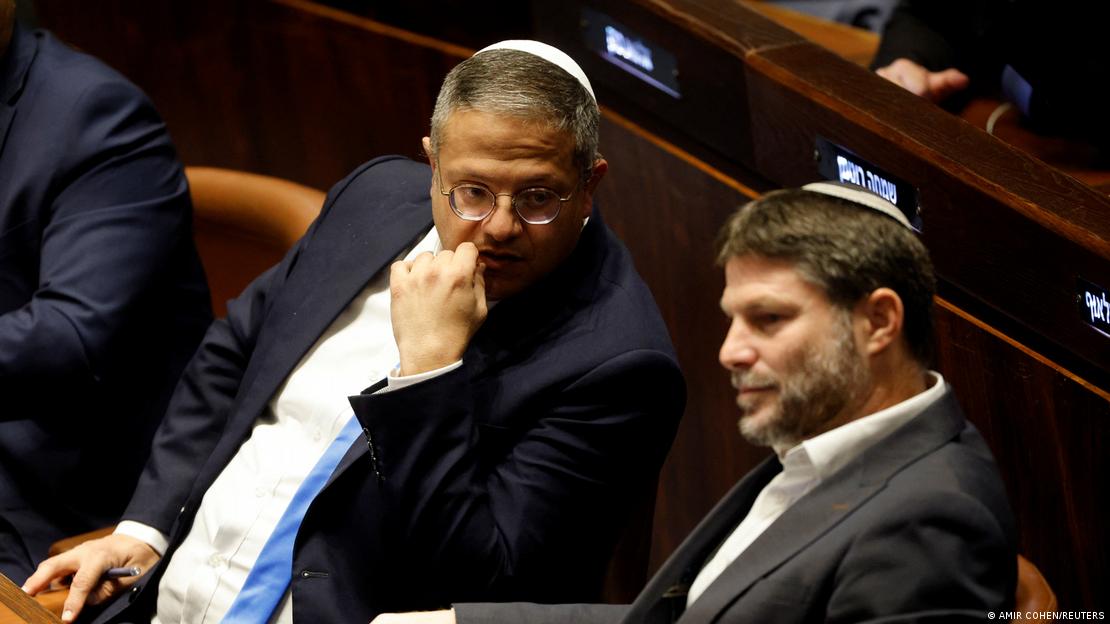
(261, 492)
(215, 560)
(316, 435)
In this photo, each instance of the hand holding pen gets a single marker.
(100, 569)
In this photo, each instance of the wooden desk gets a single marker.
(1075, 158)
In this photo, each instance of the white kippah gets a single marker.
(548, 53)
(859, 195)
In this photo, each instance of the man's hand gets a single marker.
(438, 303)
(87, 564)
(935, 86)
(420, 617)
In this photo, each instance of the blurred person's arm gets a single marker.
(84, 260)
(921, 47)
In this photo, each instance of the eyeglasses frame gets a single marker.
(512, 199)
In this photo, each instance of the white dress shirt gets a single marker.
(804, 467)
(242, 507)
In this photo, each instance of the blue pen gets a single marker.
(115, 573)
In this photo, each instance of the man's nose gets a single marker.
(737, 351)
(503, 223)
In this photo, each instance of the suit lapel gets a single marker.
(664, 597)
(801, 524)
(325, 282)
(14, 66)
(835, 499)
(7, 114)
(345, 253)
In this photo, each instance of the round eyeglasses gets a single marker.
(537, 205)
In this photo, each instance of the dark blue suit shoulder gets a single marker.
(392, 176)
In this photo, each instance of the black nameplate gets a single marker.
(840, 164)
(630, 52)
(1094, 305)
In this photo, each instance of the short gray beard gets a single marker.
(831, 376)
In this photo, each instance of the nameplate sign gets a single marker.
(630, 52)
(1094, 305)
(839, 164)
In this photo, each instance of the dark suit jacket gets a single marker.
(102, 297)
(915, 528)
(506, 478)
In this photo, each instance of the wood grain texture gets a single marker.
(288, 89)
(853, 44)
(668, 211)
(22, 606)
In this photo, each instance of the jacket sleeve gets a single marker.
(121, 209)
(939, 556)
(537, 519)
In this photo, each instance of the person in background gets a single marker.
(102, 296)
(881, 502)
(1044, 59)
(513, 387)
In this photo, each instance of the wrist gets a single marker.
(425, 363)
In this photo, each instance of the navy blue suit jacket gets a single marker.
(917, 528)
(507, 478)
(102, 296)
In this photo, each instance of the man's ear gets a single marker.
(427, 143)
(883, 315)
(601, 166)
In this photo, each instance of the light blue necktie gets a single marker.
(273, 571)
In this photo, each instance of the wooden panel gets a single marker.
(854, 44)
(706, 73)
(667, 208)
(290, 89)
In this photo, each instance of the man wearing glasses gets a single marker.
(528, 389)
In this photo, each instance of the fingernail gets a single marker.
(67, 615)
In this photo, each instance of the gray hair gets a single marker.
(844, 248)
(511, 82)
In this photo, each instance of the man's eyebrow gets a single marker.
(545, 179)
(758, 304)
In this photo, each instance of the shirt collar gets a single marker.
(830, 451)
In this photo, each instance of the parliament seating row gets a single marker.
(298, 90)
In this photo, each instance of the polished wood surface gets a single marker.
(854, 44)
(290, 89)
(304, 92)
(1078, 159)
(16, 606)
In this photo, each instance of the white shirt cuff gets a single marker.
(396, 382)
(157, 539)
